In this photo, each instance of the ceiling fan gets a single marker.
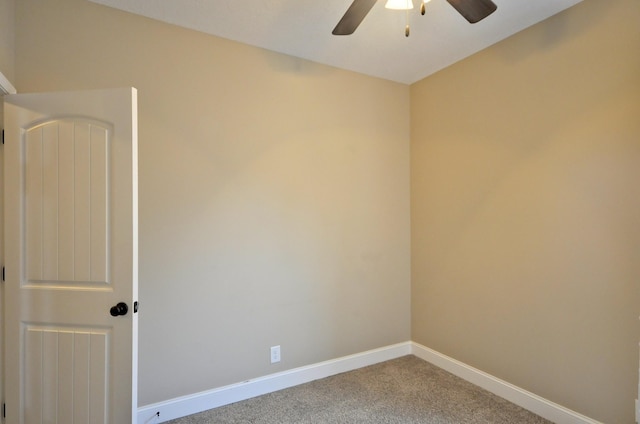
(472, 10)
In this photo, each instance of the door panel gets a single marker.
(64, 369)
(70, 163)
(67, 175)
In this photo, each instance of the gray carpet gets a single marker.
(405, 390)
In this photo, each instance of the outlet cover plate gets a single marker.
(275, 354)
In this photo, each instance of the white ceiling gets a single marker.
(378, 48)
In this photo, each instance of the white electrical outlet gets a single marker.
(275, 354)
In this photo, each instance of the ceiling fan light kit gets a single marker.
(472, 10)
(403, 4)
(399, 4)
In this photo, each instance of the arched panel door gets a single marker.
(70, 163)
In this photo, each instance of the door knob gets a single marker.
(119, 309)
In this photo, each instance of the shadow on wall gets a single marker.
(555, 31)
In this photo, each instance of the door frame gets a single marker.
(5, 88)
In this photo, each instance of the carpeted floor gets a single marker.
(406, 390)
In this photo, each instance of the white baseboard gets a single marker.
(192, 404)
(527, 400)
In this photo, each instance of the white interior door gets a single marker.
(70, 175)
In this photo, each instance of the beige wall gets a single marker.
(274, 194)
(526, 209)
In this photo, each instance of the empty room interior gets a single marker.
(488, 212)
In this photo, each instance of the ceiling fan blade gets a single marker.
(353, 16)
(474, 10)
